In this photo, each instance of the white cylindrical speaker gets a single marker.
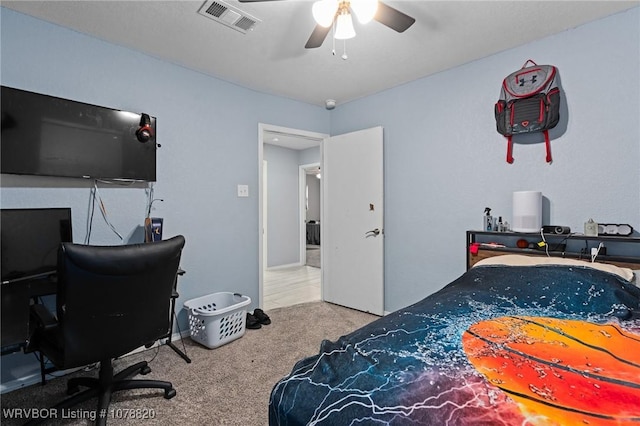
(527, 211)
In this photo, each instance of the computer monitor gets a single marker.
(30, 240)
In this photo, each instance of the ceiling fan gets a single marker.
(330, 13)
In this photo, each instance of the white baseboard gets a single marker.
(34, 378)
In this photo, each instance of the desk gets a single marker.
(16, 299)
(174, 296)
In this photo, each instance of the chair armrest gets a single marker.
(40, 321)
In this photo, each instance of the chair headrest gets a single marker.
(112, 260)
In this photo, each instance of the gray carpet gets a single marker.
(229, 385)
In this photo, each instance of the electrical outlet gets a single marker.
(243, 190)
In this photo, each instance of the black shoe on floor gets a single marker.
(252, 322)
(261, 317)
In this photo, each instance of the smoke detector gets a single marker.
(228, 15)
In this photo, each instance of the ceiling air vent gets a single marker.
(228, 15)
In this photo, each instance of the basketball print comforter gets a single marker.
(501, 345)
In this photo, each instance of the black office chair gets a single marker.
(110, 301)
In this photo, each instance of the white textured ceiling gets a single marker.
(272, 58)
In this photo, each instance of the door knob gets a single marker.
(374, 232)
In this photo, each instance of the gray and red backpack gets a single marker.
(529, 102)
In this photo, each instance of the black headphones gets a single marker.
(145, 132)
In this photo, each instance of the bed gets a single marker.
(511, 342)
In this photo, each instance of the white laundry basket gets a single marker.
(217, 318)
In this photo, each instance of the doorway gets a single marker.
(310, 187)
(352, 272)
(292, 282)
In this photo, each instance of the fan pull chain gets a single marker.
(344, 45)
(333, 39)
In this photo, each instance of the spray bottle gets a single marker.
(488, 220)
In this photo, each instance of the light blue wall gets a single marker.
(445, 162)
(309, 155)
(208, 130)
(283, 235)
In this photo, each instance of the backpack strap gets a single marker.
(528, 60)
(509, 149)
(547, 144)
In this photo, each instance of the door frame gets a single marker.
(262, 128)
(265, 210)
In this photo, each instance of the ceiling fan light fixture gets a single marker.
(344, 27)
(324, 11)
(365, 10)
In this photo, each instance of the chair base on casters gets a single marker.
(107, 383)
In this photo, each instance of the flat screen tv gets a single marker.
(49, 136)
(30, 239)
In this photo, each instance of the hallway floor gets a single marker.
(291, 286)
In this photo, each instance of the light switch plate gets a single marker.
(243, 190)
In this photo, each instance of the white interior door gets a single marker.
(352, 220)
